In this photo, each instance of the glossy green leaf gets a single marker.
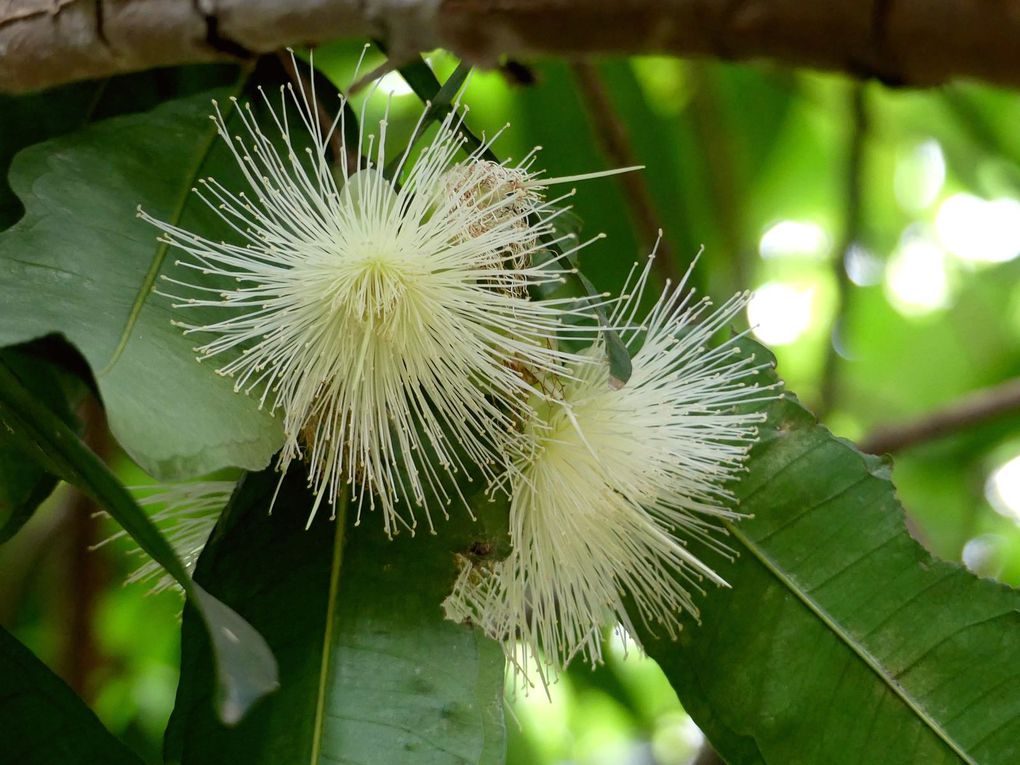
(370, 671)
(43, 721)
(423, 82)
(245, 666)
(80, 263)
(842, 640)
(36, 117)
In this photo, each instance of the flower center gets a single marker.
(366, 285)
(376, 288)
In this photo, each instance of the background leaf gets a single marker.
(43, 721)
(36, 117)
(841, 639)
(370, 671)
(81, 264)
(24, 483)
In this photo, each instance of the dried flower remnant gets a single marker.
(476, 184)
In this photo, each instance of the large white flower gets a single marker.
(389, 323)
(616, 481)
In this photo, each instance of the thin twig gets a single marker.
(326, 120)
(972, 410)
(708, 756)
(615, 145)
(851, 232)
(85, 573)
(725, 194)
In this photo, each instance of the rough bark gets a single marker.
(909, 42)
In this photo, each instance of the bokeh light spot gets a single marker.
(979, 230)
(916, 279)
(794, 238)
(1003, 489)
(780, 313)
(920, 175)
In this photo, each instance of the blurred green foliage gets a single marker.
(750, 162)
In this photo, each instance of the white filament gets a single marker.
(185, 514)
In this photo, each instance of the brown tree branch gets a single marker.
(708, 756)
(910, 42)
(82, 655)
(974, 409)
(615, 144)
(852, 222)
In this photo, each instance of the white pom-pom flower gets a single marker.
(389, 323)
(614, 484)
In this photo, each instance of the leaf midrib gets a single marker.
(327, 637)
(145, 288)
(862, 652)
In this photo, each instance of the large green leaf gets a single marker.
(80, 263)
(842, 640)
(36, 117)
(43, 722)
(370, 671)
(245, 667)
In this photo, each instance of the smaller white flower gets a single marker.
(615, 483)
(185, 514)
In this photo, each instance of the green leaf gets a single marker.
(419, 76)
(80, 263)
(44, 721)
(36, 117)
(370, 671)
(24, 484)
(842, 640)
(244, 664)
(438, 107)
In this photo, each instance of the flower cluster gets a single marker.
(395, 322)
